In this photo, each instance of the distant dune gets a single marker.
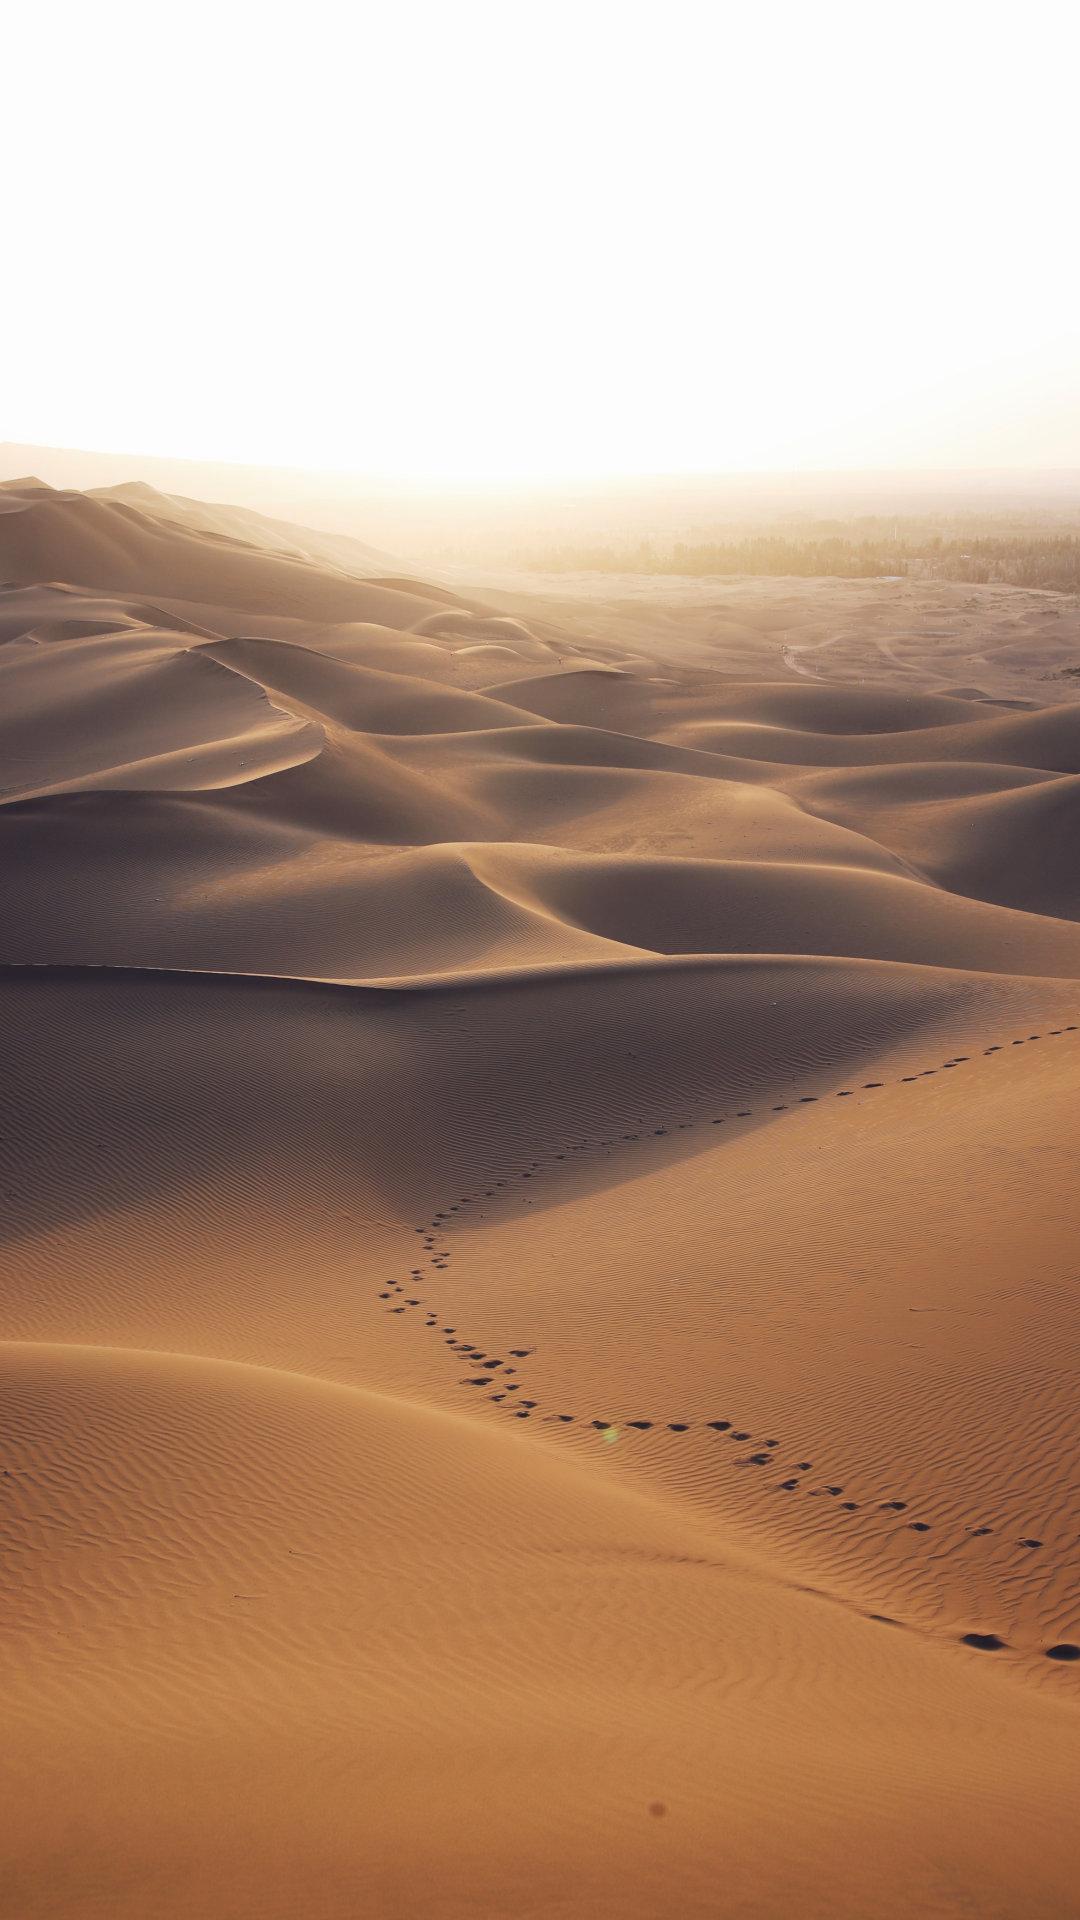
(231, 523)
(539, 1325)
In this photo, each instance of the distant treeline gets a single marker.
(1018, 560)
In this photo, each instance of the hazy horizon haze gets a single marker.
(513, 245)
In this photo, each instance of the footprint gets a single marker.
(1063, 1650)
(985, 1642)
(1030, 1543)
(920, 1526)
(439, 1258)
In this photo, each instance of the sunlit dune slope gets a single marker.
(71, 537)
(432, 1646)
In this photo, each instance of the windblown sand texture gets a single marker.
(540, 1241)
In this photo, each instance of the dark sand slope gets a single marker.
(538, 1323)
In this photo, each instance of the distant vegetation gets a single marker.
(860, 550)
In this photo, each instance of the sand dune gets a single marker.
(1002, 834)
(233, 523)
(360, 697)
(539, 1325)
(95, 543)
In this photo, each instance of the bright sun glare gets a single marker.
(506, 239)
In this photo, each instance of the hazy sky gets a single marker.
(543, 238)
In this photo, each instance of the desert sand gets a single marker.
(539, 1306)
